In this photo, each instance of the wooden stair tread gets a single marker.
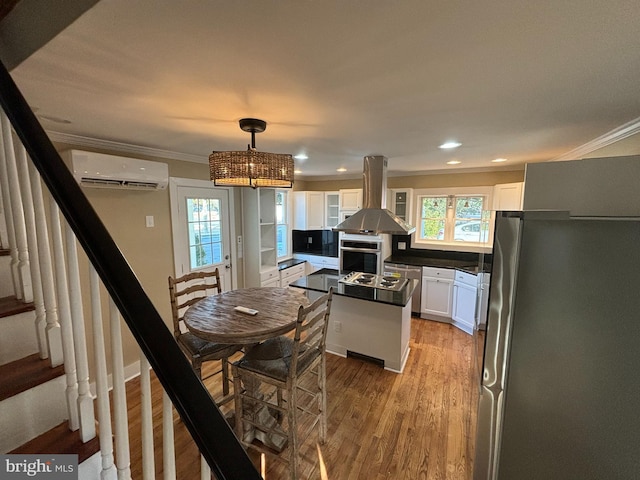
(12, 306)
(26, 373)
(60, 440)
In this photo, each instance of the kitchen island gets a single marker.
(365, 322)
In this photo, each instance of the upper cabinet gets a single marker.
(508, 196)
(308, 210)
(400, 201)
(351, 199)
(332, 209)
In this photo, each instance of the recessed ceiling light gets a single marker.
(341, 169)
(499, 160)
(450, 145)
(301, 156)
(297, 171)
(453, 162)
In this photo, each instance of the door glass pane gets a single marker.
(204, 227)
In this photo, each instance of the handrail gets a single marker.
(212, 434)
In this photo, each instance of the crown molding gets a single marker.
(78, 140)
(624, 131)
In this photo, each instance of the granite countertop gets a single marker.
(324, 279)
(463, 265)
(292, 262)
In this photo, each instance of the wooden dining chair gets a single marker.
(280, 366)
(184, 291)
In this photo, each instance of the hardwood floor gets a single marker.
(382, 425)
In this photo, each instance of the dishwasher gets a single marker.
(411, 272)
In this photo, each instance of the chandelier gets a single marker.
(251, 168)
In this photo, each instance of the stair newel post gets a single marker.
(168, 440)
(32, 244)
(146, 413)
(14, 209)
(102, 384)
(53, 331)
(85, 401)
(123, 462)
(62, 290)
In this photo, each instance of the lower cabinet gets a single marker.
(270, 278)
(437, 293)
(291, 274)
(465, 292)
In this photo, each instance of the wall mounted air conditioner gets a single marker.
(109, 171)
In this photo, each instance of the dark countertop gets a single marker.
(292, 262)
(324, 279)
(462, 265)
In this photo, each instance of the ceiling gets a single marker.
(337, 80)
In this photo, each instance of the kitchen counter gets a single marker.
(324, 279)
(462, 265)
(292, 262)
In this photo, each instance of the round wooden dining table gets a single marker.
(214, 318)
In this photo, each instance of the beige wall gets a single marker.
(440, 180)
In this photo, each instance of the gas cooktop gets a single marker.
(386, 282)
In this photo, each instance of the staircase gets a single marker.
(33, 412)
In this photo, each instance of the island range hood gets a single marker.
(374, 218)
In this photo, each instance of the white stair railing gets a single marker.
(51, 261)
(53, 331)
(15, 214)
(32, 245)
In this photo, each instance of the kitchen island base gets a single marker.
(369, 328)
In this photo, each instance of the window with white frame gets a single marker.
(451, 218)
(282, 224)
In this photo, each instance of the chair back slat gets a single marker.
(186, 290)
(311, 331)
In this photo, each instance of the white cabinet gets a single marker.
(308, 210)
(400, 201)
(508, 196)
(332, 209)
(437, 293)
(351, 199)
(291, 274)
(463, 312)
(259, 228)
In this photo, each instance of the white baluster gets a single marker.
(53, 331)
(20, 270)
(168, 444)
(148, 460)
(123, 462)
(32, 243)
(85, 401)
(108, 471)
(62, 290)
(6, 204)
(205, 471)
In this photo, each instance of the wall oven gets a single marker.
(362, 253)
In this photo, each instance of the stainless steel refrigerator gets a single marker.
(560, 386)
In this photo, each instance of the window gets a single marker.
(204, 225)
(282, 224)
(453, 218)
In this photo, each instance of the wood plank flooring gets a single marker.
(382, 425)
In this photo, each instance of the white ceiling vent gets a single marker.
(109, 171)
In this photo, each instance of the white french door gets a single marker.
(200, 221)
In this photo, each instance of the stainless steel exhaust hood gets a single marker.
(374, 218)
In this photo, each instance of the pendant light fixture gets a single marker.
(251, 168)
